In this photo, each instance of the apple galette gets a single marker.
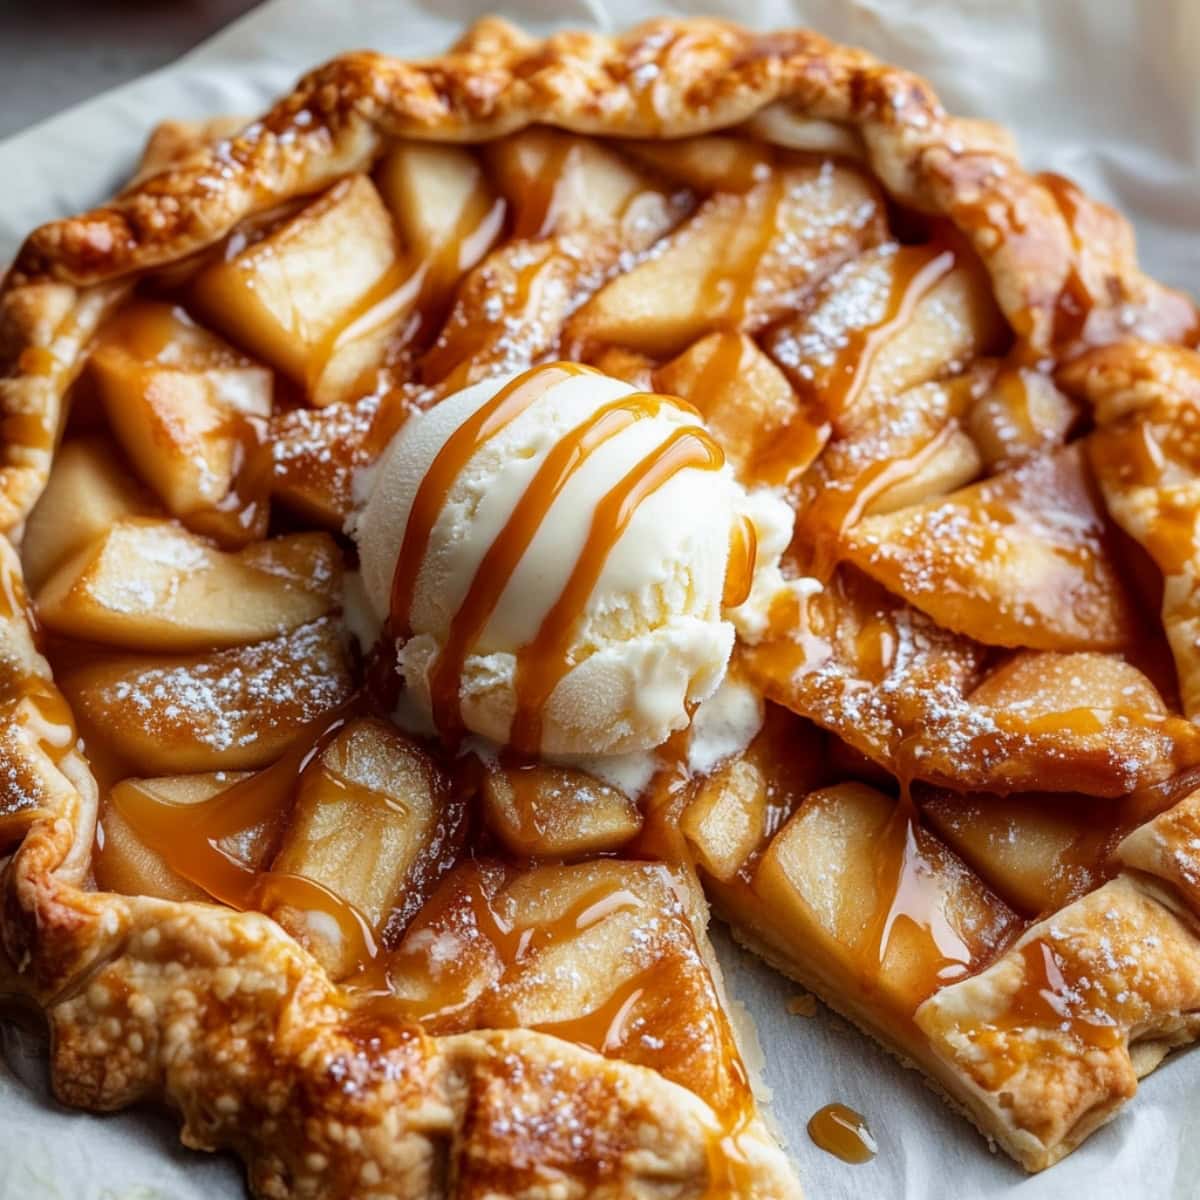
(467, 520)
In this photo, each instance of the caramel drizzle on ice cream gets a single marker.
(544, 660)
(474, 433)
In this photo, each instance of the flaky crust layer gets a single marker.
(222, 1014)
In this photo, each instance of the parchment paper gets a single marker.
(1106, 91)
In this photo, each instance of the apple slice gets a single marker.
(709, 163)
(542, 811)
(854, 889)
(447, 213)
(748, 405)
(1017, 560)
(330, 281)
(364, 825)
(560, 183)
(150, 585)
(738, 263)
(124, 863)
(895, 317)
(316, 453)
(739, 807)
(580, 211)
(1042, 684)
(1039, 850)
(87, 492)
(186, 408)
(634, 368)
(227, 710)
(909, 448)
(1021, 414)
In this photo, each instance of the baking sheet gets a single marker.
(1105, 91)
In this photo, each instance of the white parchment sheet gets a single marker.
(1106, 91)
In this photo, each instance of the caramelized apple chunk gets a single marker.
(635, 369)
(186, 408)
(226, 710)
(1020, 414)
(151, 585)
(738, 808)
(316, 453)
(445, 210)
(748, 406)
(1020, 559)
(709, 163)
(124, 863)
(315, 288)
(87, 492)
(542, 811)
(363, 825)
(893, 318)
(1047, 683)
(910, 447)
(881, 901)
(1037, 851)
(559, 183)
(511, 309)
(738, 263)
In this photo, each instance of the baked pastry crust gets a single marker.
(142, 995)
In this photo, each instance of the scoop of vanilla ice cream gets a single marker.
(652, 640)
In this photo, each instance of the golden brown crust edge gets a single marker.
(667, 78)
(74, 951)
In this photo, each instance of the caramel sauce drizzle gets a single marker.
(1057, 994)
(397, 289)
(729, 294)
(1010, 382)
(791, 447)
(604, 1028)
(470, 905)
(743, 555)
(542, 204)
(838, 509)
(543, 662)
(418, 289)
(54, 728)
(842, 1132)
(906, 881)
(504, 555)
(189, 837)
(474, 433)
(917, 270)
